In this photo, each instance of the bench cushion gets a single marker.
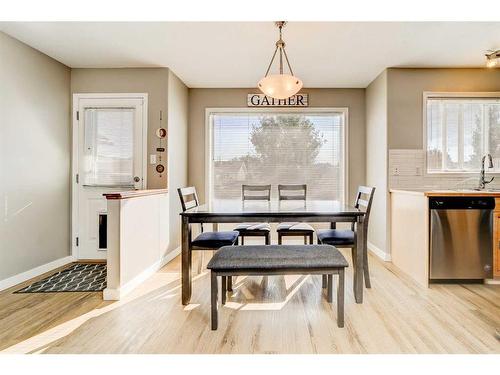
(277, 257)
(336, 237)
(214, 240)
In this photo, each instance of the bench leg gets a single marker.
(279, 239)
(323, 281)
(329, 290)
(214, 290)
(229, 283)
(340, 299)
(224, 289)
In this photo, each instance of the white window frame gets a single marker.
(244, 110)
(450, 95)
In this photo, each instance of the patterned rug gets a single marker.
(76, 278)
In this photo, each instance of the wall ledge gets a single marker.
(134, 193)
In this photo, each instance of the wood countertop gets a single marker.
(134, 193)
(449, 193)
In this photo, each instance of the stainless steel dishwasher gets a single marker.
(461, 238)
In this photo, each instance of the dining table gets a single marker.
(219, 211)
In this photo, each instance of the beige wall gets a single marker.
(177, 151)
(200, 99)
(376, 160)
(406, 86)
(35, 149)
(153, 81)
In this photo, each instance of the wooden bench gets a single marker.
(277, 260)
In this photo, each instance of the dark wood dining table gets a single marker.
(237, 211)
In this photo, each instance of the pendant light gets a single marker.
(282, 85)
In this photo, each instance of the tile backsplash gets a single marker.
(407, 171)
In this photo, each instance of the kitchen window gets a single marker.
(277, 147)
(459, 131)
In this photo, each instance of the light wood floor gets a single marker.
(264, 315)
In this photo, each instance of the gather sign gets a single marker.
(261, 100)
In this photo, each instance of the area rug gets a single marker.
(76, 278)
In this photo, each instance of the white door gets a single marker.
(109, 145)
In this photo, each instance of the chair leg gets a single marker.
(268, 238)
(213, 294)
(323, 281)
(224, 289)
(311, 239)
(340, 299)
(229, 283)
(366, 271)
(279, 239)
(329, 290)
(202, 260)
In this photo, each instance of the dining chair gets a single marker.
(205, 240)
(255, 193)
(347, 238)
(294, 192)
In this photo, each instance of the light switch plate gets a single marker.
(152, 159)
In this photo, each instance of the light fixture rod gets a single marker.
(288, 63)
(271, 63)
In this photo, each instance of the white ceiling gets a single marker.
(227, 54)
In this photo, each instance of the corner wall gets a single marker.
(178, 102)
(35, 149)
(376, 163)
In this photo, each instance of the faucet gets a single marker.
(482, 181)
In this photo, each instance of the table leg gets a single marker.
(358, 269)
(186, 262)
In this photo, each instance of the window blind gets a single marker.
(460, 131)
(278, 148)
(109, 147)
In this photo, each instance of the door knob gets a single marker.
(137, 179)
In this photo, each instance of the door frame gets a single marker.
(75, 147)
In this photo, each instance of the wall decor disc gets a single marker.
(160, 168)
(161, 133)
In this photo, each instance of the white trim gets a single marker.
(443, 94)
(378, 252)
(243, 110)
(116, 294)
(75, 147)
(35, 272)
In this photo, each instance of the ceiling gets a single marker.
(231, 54)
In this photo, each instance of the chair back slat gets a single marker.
(364, 199)
(289, 192)
(256, 192)
(188, 197)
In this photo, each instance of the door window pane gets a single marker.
(278, 148)
(109, 146)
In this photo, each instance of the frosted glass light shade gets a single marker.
(280, 86)
(492, 62)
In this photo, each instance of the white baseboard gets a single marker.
(379, 252)
(116, 294)
(34, 272)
